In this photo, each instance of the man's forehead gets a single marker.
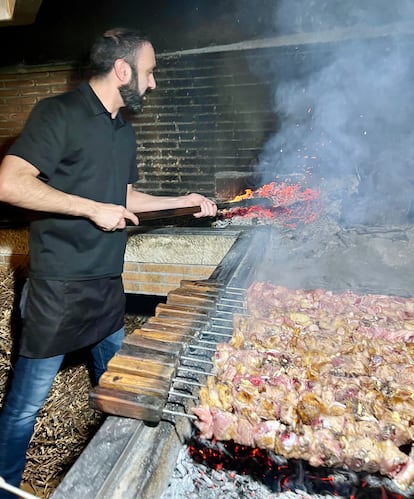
(146, 56)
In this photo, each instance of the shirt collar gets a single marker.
(96, 105)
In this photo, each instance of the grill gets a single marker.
(202, 313)
(162, 364)
(135, 459)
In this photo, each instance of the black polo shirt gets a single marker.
(79, 149)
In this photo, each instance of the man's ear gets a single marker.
(122, 71)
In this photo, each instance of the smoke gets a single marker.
(316, 15)
(345, 107)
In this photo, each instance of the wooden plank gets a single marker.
(167, 328)
(130, 405)
(190, 299)
(204, 285)
(169, 348)
(178, 322)
(166, 310)
(199, 291)
(155, 325)
(137, 352)
(165, 336)
(135, 384)
(141, 367)
(165, 333)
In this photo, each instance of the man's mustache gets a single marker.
(147, 92)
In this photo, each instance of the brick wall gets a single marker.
(209, 114)
(19, 92)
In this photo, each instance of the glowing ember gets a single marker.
(292, 204)
(280, 475)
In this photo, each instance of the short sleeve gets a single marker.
(42, 140)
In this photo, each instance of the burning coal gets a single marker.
(279, 475)
(292, 204)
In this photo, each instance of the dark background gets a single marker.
(64, 29)
(339, 108)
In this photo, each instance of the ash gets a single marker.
(197, 481)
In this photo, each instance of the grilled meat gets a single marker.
(324, 377)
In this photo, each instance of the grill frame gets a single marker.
(136, 469)
(131, 458)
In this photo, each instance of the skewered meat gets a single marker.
(324, 377)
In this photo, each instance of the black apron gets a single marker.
(63, 316)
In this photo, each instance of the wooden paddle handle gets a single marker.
(189, 210)
(170, 213)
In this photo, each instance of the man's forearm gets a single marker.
(140, 202)
(20, 187)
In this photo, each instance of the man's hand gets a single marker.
(111, 217)
(208, 207)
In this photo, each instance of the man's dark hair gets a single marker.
(118, 43)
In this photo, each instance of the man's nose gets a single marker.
(151, 83)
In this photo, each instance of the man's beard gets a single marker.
(133, 100)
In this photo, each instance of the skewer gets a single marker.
(208, 343)
(235, 300)
(217, 334)
(195, 371)
(213, 327)
(176, 413)
(222, 306)
(198, 347)
(223, 312)
(196, 359)
(192, 383)
(185, 395)
(222, 319)
(233, 289)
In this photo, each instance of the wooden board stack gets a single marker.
(138, 378)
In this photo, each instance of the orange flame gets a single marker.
(292, 203)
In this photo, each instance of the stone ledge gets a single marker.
(180, 246)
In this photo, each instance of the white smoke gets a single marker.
(346, 108)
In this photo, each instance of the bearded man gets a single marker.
(75, 164)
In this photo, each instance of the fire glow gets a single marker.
(280, 475)
(292, 204)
